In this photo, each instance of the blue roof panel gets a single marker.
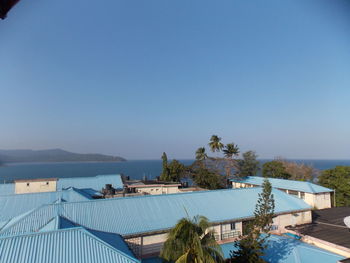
(70, 245)
(287, 250)
(17, 204)
(7, 189)
(301, 186)
(134, 215)
(283, 250)
(94, 182)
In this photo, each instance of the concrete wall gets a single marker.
(158, 190)
(24, 187)
(282, 221)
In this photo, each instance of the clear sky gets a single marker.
(136, 78)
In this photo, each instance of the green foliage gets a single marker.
(215, 143)
(165, 176)
(230, 150)
(275, 169)
(176, 170)
(265, 208)
(251, 248)
(280, 168)
(338, 179)
(191, 242)
(207, 179)
(201, 156)
(249, 165)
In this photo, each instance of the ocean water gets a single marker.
(134, 169)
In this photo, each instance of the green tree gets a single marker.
(265, 207)
(275, 169)
(176, 170)
(250, 248)
(165, 176)
(249, 165)
(215, 143)
(190, 241)
(207, 179)
(230, 151)
(338, 179)
(201, 156)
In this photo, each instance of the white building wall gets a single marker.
(316, 200)
(291, 219)
(35, 187)
(158, 190)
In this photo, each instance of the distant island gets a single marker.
(53, 155)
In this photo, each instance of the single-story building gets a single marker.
(317, 196)
(144, 221)
(38, 185)
(152, 188)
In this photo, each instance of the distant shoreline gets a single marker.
(58, 162)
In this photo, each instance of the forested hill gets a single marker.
(53, 155)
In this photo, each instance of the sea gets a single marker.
(138, 169)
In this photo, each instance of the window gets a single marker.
(233, 226)
(47, 183)
(292, 192)
(302, 195)
(27, 184)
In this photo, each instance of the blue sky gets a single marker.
(136, 78)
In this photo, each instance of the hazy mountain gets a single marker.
(53, 155)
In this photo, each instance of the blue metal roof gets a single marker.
(115, 240)
(7, 189)
(94, 182)
(70, 245)
(301, 186)
(135, 215)
(287, 250)
(17, 204)
(283, 250)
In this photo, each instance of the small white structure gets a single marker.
(153, 188)
(35, 185)
(315, 195)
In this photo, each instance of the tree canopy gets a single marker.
(275, 169)
(207, 179)
(284, 169)
(249, 165)
(250, 248)
(191, 241)
(338, 179)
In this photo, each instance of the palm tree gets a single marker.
(230, 151)
(215, 143)
(190, 241)
(201, 155)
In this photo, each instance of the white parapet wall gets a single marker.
(35, 186)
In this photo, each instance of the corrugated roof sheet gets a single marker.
(282, 250)
(115, 240)
(94, 182)
(17, 204)
(7, 189)
(134, 215)
(287, 250)
(75, 245)
(285, 184)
